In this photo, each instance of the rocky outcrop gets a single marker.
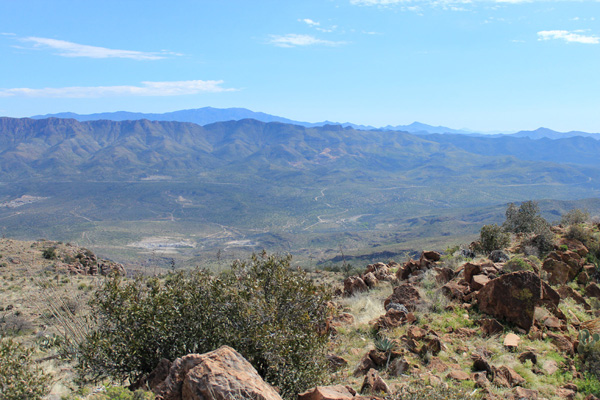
(221, 374)
(513, 297)
(405, 294)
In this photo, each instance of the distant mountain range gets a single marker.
(209, 115)
(271, 185)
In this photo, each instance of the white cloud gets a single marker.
(174, 88)
(294, 40)
(568, 36)
(309, 22)
(70, 49)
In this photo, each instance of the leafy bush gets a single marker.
(49, 253)
(575, 217)
(543, 240)
(517, 264)
(19, 378)
(492, 237)
(419, 390)
(578, 232)
(524, 219)
(272, 315)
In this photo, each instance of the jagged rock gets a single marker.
(490, 326)
(416, 333)
(520, 393)
(566, 393)
(433, 345)
(514, 297)
(574, 245)
(478, 282)
(481, 380)
(498, 256)
(470, 270)
(528, 355)
(593, 290)
(566, 291)
(370, 280)
(563, 343)
(353, 285)
(507, 377)
(397, 307)
(480, 364)
(398, 366)
(550, 367)
(559, 272)
(511, 341)
(373, 383)
(220, 374)
(583, 278)
(432, 255)
(458, 375)
(391, 319)
(443, 274)
(336, 362)
(342, 319)
(455, 290)
(364, 365)
(381, 271)
(572, 259)
(405, 294)
(337, 392)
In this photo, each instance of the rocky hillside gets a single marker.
(448, 325)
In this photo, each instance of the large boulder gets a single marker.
(220, 375)
(405, 294)
(337, 392)
(513, 297)
(353, 285)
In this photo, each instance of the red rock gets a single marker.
(478, 282)
(370, 280)
(566, 292)
(565, 393)
(559, 272)
(490, 326)
(353, 285)
(398, 366)
(507, 377)
(337, 392)
(342, 319)
(574, 245)
(432, 255)
(405, 294)
(455, 290)
(458, 375)
(511, 341)
(336, 362)
(219, 374)
(593, 290)
(364, 366)
(416, 333)
(525, 394)
(470, 270)
(391, 319)
(373, 383)
(563, 343)
(514, 297)
(443, 275)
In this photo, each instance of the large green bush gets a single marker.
(524, 219)
(492, 237)
(271, 314)
(20, 378)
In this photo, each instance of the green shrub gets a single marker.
(420, 390)
(271, 314)
(589, 353)
(49, 253)
(524, 219)
(517, 264)
(578, 232)
(492, 237)
(20, 378)
(575, 217)
(543, 240)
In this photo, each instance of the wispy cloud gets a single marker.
(310, 22)
(174, 88)
(295, 40)
(569, 36)
(69, 49)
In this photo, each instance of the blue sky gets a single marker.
(482, 64)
